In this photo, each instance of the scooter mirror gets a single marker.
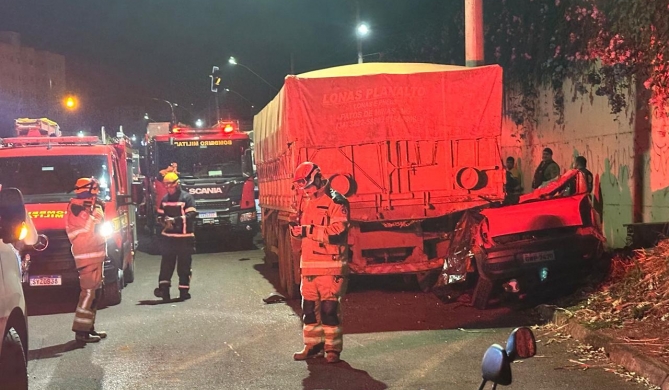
(521, 344)
(496, 366)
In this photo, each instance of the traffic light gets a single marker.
(215, 78)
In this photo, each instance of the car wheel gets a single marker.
(112, 292)
(13, 369)
(482, 293)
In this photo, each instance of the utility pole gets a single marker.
(474, 33)
(357, 23)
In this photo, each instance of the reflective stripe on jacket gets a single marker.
(325, 223)
(88, 246)
(181, 207)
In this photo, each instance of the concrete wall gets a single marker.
(607, 142)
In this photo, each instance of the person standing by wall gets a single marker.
(547, 169)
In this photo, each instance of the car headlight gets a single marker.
(106, 229)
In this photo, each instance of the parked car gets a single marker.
(15, 228)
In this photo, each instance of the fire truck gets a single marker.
(215, 165)
(45, 167)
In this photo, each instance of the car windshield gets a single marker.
(50, 179)
(195, 159)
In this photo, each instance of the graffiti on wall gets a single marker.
(659, 151)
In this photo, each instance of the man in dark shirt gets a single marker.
(580, 164)
(547, 169)
(177, 211)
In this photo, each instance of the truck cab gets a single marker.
(45, 169)
(215, 166)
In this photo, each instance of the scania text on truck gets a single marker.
(215, 166)
(45, 169)
(410, 145)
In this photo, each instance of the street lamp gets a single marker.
(174, 118)
(146, 116)
(233, 61)
(71, 102)
(199, 123)
(241, 96)
(362, 31)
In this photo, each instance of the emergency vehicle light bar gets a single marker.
(50, 141)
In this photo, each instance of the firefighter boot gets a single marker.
(86, 337)
(100, 333)
(309, 352)
(332, 357)
(162, 292)
(184, 294)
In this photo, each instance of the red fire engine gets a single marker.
(45, 168)
(215, 166)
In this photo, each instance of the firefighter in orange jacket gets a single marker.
(323, 229)
(85, 214)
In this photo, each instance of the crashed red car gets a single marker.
(550, 234)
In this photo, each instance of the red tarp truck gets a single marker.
(410, 145)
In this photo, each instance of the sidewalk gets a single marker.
(625, 355)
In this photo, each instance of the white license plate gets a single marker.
(538, 257)
(208, 221)
(210, 214)
(53, 280)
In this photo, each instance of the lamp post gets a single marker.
(361, 31)
(174, 118)
(241, 96)
(233, 61)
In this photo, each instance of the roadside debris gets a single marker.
(274, 298)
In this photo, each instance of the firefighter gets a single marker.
(323, 230)
(177, 212)
(85, 214)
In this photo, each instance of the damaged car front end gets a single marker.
(548, 238)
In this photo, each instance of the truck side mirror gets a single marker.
(247, 163)
(12, 215)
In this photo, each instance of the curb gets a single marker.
(633, 360)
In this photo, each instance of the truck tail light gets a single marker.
(248, 195)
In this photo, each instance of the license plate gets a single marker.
(209, 214)
(538, 257)
(208, 221)
(53, 280)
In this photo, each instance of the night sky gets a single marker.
(166, 48)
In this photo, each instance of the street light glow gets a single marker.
(232, 61)
(80, 134)
(70, 102)
(363, 29)
(146, 116)
(199, 123)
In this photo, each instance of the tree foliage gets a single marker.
(603, 46)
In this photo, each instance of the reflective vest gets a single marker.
(88, 246)
(180, 207)
(325, 223)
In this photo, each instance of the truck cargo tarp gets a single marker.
(375, 102)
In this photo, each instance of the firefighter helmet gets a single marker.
(171, 178)
(87, 184)
(305, 174)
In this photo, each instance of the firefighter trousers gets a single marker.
(177, 252)
(90, 281)
(322, 311)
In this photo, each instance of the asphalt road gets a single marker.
(227, 338)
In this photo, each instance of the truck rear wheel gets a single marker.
(129, 273)
(287, 267)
